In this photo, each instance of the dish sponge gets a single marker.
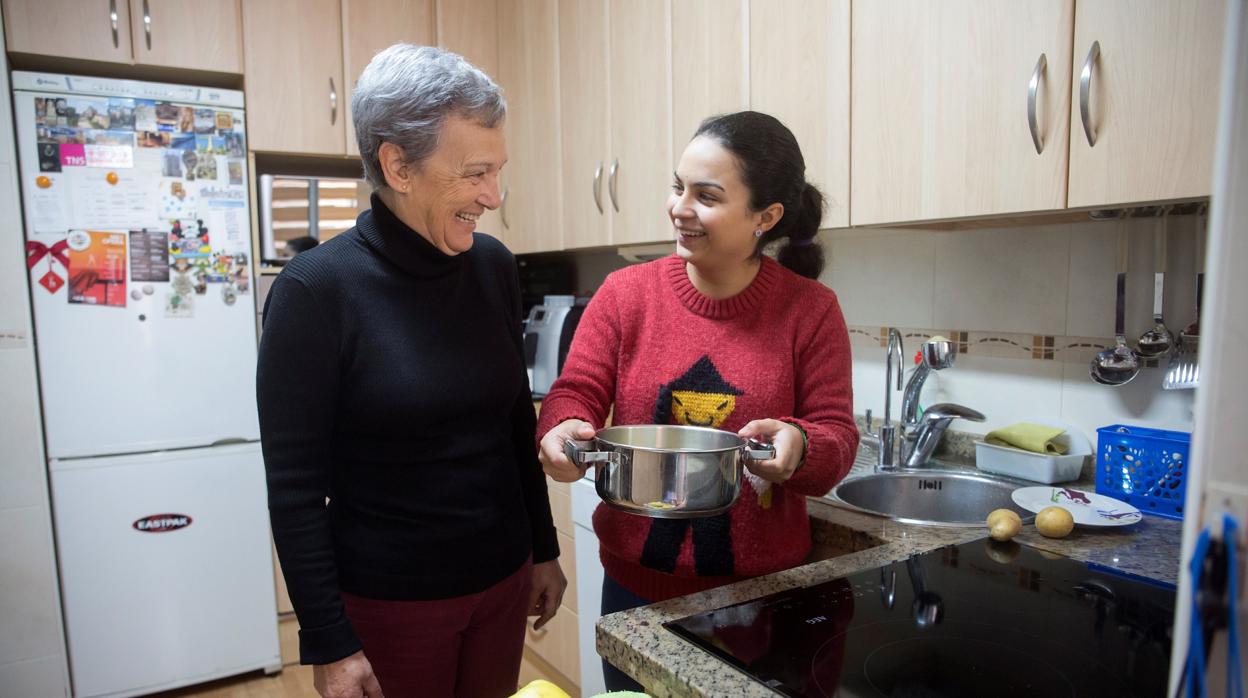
(1036, 438)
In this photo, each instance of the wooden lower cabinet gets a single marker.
(554, 649)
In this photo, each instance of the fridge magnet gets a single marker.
(51, 281)
(186, 120)
(49, 157)
(177, 200)
(187, 244)
(136, 294)
(153, 139)
(189, 161)
(62, 113)
(109, 156)
(97, 268)
(179, 305)
(42, 105)
(242, 280)
(57, 252)
(206, 167)
(171, 163)
(182, 282)
(88, 113)
(73, 154)
(120, 113)
(225, 121)
(166, 116)
(234, 167)
(234, 144)
(145, 115)
(203, 144)
(218, 145)
(228, 294)
(182, 141)
(149, 257)
(205, 121)
(148, 289)
(222, 269)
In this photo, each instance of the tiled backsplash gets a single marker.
(1028, 307)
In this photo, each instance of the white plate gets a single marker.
(1088, 508)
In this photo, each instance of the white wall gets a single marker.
(1032, 305)
(32, 645)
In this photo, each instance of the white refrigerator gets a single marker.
(138, 238)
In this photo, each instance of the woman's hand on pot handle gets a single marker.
(789, 443)
(349, 677)
(554, 461)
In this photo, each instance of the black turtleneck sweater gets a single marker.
(391, 380)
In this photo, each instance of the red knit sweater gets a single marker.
(663, 353)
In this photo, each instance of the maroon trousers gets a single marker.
(463, 647)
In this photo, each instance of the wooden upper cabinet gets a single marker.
(470, 28)
(295, 92)
(369, 26)
(799, 73)
(196, 34)
(1153, 100)
(190, 34)
(96, 30)
(585, 145)
(640, 172)
(941, 108)
(710, 64)
(528, 72)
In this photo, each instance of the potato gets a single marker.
(1054, 522)
(1004, 524)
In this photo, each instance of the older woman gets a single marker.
(392, 384)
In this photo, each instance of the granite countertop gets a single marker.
(845, 542)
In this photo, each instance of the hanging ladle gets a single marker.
(1118, 365)
(1157, 341)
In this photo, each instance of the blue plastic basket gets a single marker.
(1144, 467)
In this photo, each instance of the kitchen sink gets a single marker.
(931, 497)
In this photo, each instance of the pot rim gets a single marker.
(681, 427)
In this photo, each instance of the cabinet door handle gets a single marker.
(1032, 88)
(333, 103)
(112, 18)
(502, 209)
(147, 24)
(598, 187)
(1085, 89)
(615, 168)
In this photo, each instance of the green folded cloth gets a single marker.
(1036, 438)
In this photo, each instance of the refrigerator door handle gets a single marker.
(228, 441)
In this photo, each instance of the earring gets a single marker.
(758, 232)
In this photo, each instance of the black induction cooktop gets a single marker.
(977, 619)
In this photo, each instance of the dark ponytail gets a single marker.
(773, 169)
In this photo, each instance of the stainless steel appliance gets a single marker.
(548, 336)
(977, 619)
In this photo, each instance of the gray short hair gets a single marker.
(405, 94)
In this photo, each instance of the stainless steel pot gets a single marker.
(668, 472)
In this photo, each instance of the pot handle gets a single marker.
(582, 453)
(757, 450)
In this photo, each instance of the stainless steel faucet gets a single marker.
(885, 441)
(918, 437)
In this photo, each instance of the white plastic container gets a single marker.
(1037, 467)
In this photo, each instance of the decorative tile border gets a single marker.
(1000, 345)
